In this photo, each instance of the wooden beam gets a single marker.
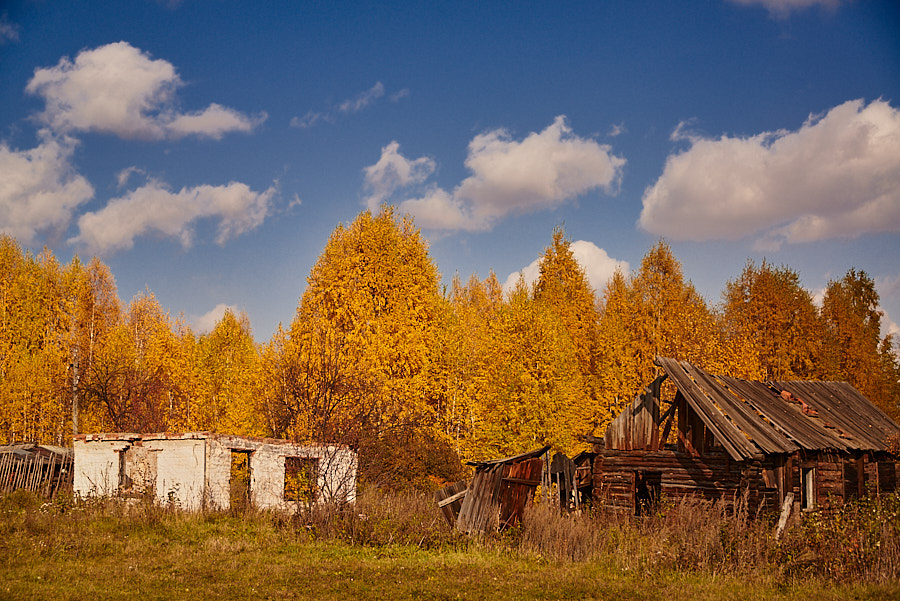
(785, 514)
(521, 481)
(452, 498)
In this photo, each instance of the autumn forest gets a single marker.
(416, 377)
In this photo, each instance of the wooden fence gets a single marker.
(42, 474)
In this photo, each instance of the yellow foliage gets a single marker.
(358, 364)
(768, 310)
(655, 313)
(377, 358)
(228, 375)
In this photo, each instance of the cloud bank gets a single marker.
(540, 172)
(118, 89)
(597, 264)
(39, 190)
(837, 176)
(154, 209)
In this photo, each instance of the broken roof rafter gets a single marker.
(729, 436)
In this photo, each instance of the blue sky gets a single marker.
(206, 150)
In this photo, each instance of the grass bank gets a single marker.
(397, 546)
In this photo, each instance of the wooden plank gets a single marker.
(525, 481)
(518, 490)
(808, 433)
(744, 416)
(453, 498)
(5, 471)
(841, 404)
(450, 501)
(480, 508)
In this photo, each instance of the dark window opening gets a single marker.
(776, 476)
(123, 473)
(887, 476)
(852, 481)
(647, 491)
(301, 479)
(126, 465)
(239, 482)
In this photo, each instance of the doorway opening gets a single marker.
(647, 491)
(239, 482)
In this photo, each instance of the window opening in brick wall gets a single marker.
(301, 479)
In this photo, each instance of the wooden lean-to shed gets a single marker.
(496, 496)
(725, 438)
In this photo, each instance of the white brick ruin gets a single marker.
(194, 470)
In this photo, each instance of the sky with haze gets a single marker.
(206, 150)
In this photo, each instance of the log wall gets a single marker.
(712, 477)
(839, 477)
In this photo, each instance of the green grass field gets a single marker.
(108, 550)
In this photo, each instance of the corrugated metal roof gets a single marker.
(751, 419)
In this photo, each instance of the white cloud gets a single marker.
(889, 327)
(349, 106)
(838, 176)
(214, 121)
(206, 323)
(9, 32)
(393, 172)
(782, 8)
(120, 90)
(307, 120)
(125, 174)
(542, 171)
(362, 100)
(597, 264)
(39, 190)
(617, 130)
(888, 288)
(154, 209)
(400, 95)
(438, 209)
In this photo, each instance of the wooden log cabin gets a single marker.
(734, 439)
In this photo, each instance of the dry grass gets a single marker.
(399, 546)
(378, 519)
(858, 543)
